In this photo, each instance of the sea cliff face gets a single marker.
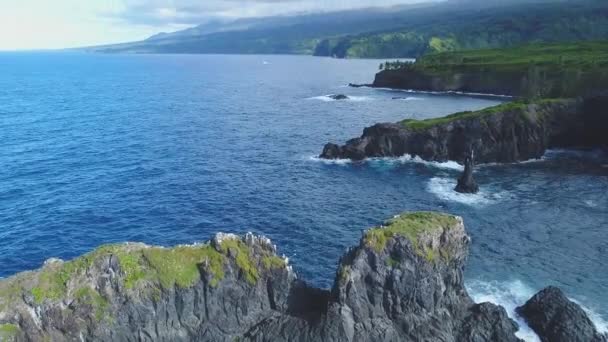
(538, 70)
(511, 132)
(404, 281)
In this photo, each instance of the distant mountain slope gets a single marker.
(483, 27)
(403, 31)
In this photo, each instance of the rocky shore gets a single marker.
(511, 132)
(403, 282)
(531, 71)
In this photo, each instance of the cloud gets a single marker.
(191, 12)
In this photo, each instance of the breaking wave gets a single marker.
(510, 295)
(443, 188)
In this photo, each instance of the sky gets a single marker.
(54, 24)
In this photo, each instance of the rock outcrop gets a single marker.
(338, 97)
(403, 282)
(557, 319)
(521, 80)
(466, 184)
(511, 132)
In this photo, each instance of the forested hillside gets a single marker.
(403, 31)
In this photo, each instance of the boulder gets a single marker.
(555, 318)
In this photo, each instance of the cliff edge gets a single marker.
(403, 282)
(510, 132)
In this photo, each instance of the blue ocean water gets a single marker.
(170, 149)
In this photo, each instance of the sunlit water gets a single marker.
(171, 149)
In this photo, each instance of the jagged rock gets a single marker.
(403, 282)
(506, 133)
(338, 97)
(557, 319)
(466, 183)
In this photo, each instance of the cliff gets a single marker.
(510, 132)
(404, 281)
(557, 70)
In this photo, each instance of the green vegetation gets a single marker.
(581, 55)
(179, 266)
(484, 28)
(410, 31)
(519, 107)
(140, 265)
(99, 304)
(243, 258)
(8, 332)
(418, 125)
(344, 272)
(272, 262)
(411, 226)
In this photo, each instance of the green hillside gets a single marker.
(405, 31)
(478, 29)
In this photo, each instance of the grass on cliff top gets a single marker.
(168, 267)
(578, 55)
(411, 226)
(428, 123)
(516, 106)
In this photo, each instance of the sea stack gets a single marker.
(556, 318)
(466, 183)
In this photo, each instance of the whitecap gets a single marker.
(380, 161)
(443, 188)
(327, 98)
(590, 203)
(509, 295)
(449, 165)
(409, 98)
(330, 161)
(448, 92)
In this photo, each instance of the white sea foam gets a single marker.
(444, 189)
(450, 165)
(590, 203)
(330, 161)
(449, 92)
(327, 98)
(508, 295)
(409, 98)
(511, 294)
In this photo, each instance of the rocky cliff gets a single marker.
(510, 132)
(536, 70)
(403, 282)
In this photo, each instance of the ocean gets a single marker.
(170, 149)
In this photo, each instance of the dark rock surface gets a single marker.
(557, 319)
(403, 282)
(466, 183)
(508, 133)
(533, 81)
(338, 97)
